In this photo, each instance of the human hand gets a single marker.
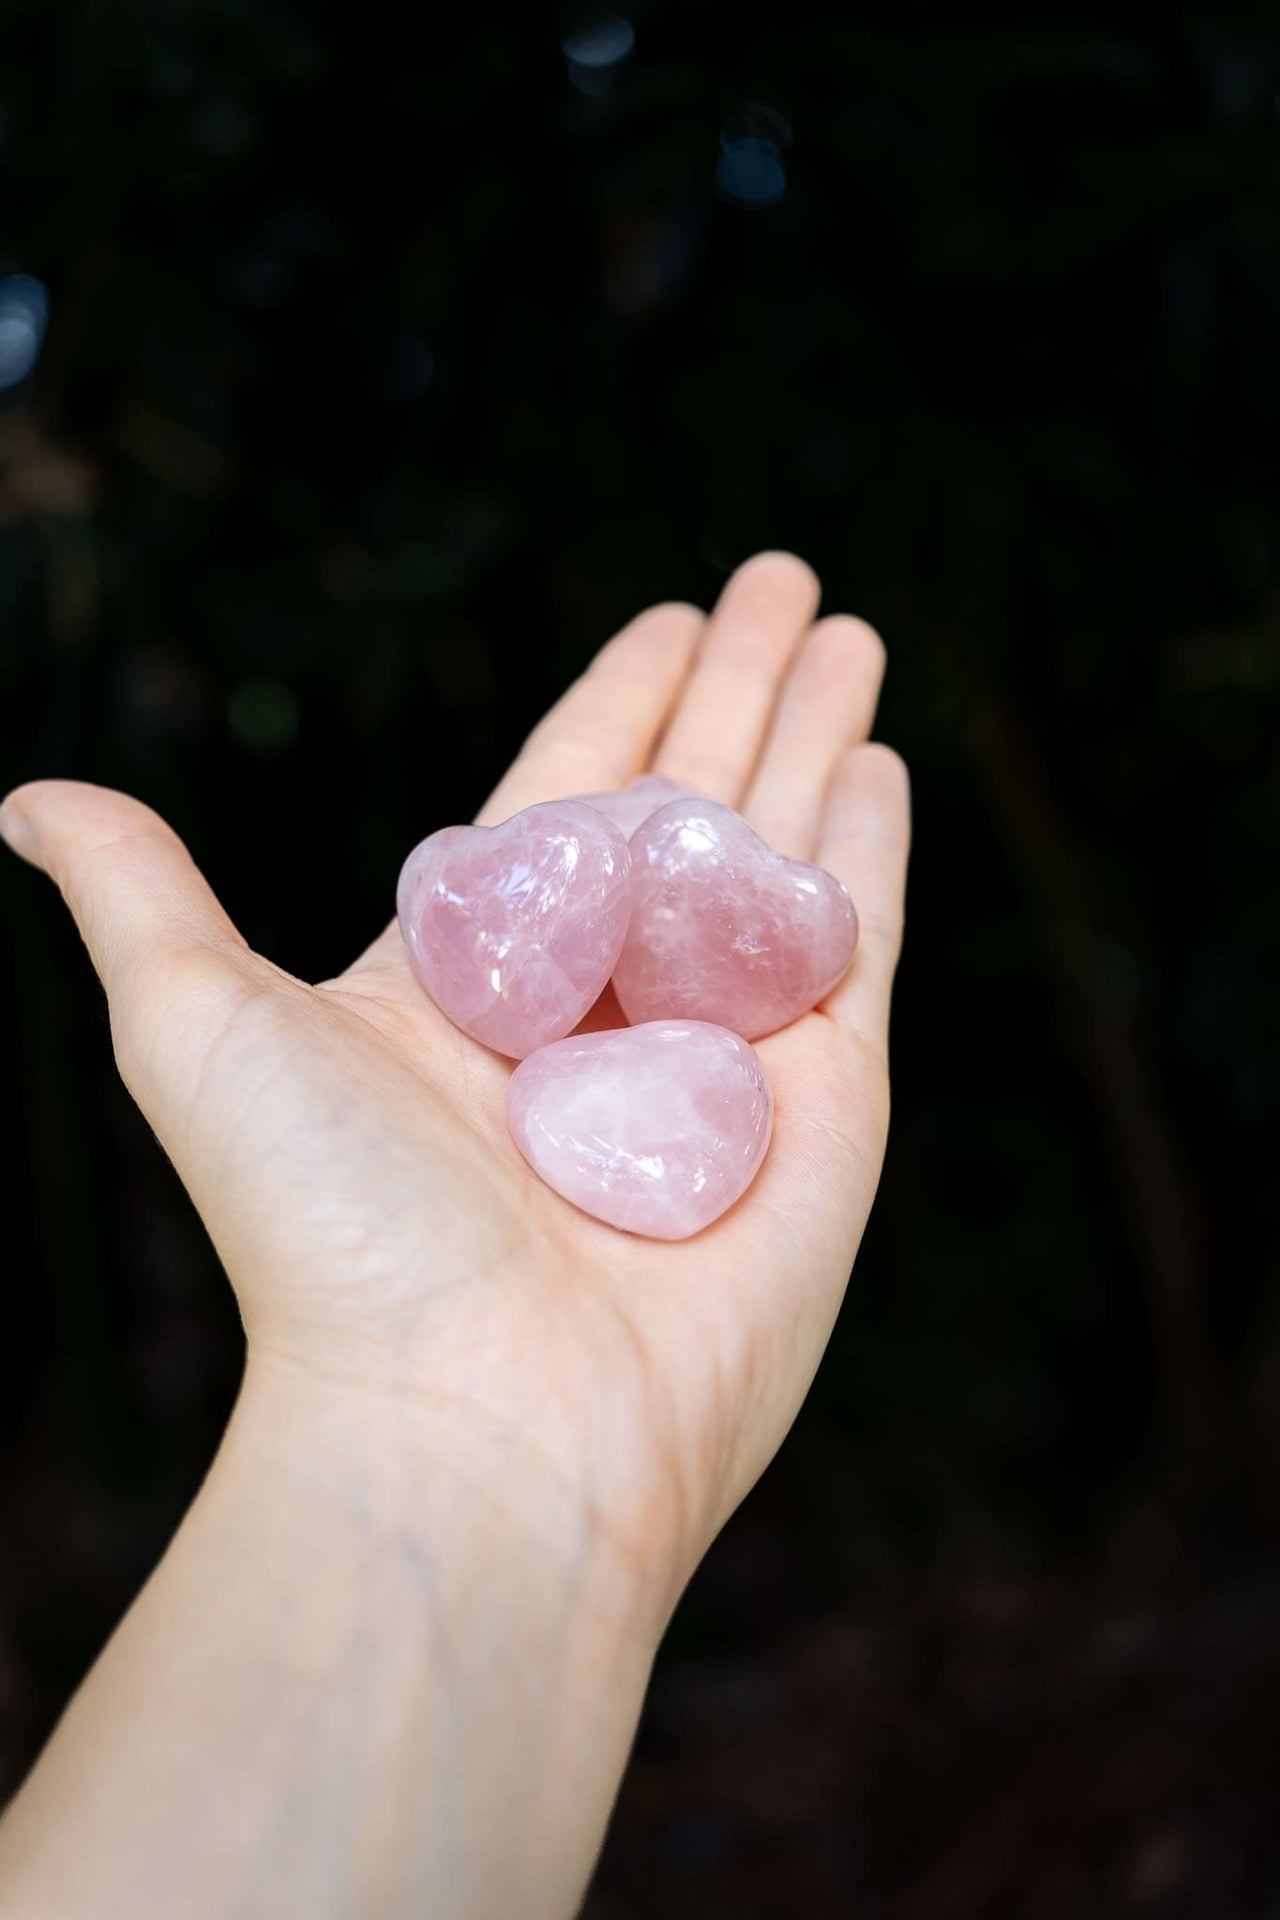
(608, 1397)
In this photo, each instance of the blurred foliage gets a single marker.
(390, 368)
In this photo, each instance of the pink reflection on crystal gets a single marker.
(656, 1129)
(632, 805)
(514, 930)
(725, 929)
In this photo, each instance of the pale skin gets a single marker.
(393, 1660)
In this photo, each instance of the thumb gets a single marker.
(133, 889)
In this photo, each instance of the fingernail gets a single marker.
(17, 833)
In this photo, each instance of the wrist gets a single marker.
(416, 1469)
(418, 1447)
(358, 1646)
(531, 1637)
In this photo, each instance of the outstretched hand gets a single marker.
(346, 1148)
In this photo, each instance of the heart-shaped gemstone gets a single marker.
(514, 930)
(725, 929)
(632, 805)
(656, 1129)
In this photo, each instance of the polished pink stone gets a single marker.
(725, 929)
(656, 1129)
(514, 930)
(631, 806)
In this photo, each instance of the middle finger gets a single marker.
(714, 736)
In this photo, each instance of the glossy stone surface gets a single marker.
(725, 929)
(655, 1129)
(514, 930)
(631, 806)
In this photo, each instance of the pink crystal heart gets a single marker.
(514, 930)
(632, 805)
(655, 1129)
(725, 929)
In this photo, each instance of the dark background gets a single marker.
(386, 375)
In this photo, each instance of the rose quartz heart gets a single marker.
(655, 1129)
(514, 930)
(725, 929)
(632, 805)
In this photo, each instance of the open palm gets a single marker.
(346, 1148)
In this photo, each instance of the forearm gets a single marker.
(351, 1687)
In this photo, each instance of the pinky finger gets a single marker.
(866, 837)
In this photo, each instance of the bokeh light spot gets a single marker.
(750, 173)
(604, 45)
(596, 52)
(24, 316)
